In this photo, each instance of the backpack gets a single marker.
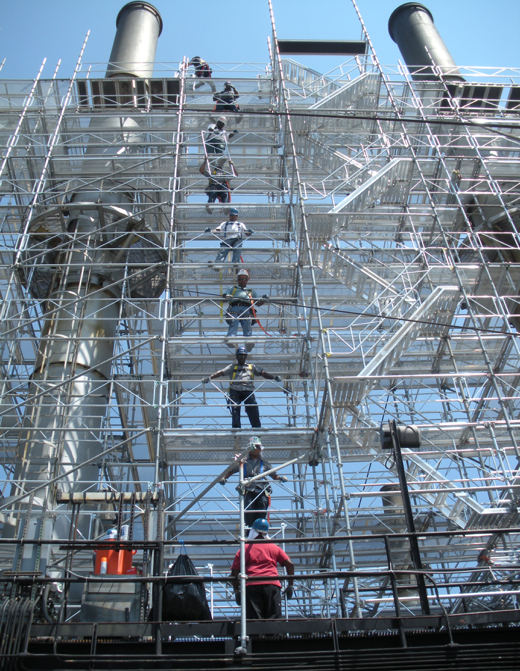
(186, 600)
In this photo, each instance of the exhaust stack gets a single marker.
(411, 27)
(139, 26)
(94, 234)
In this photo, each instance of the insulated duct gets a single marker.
(75, 261)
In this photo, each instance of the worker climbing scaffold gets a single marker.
(215, 144)
(257, 494)
(241, 307)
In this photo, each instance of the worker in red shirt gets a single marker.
(263, 599)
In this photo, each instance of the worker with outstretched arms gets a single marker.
(263, 597)
(241, 389)
(233, 232)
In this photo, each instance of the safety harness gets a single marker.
(237, 366)
(266, 489)
(252, 301)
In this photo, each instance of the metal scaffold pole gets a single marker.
(201, 259)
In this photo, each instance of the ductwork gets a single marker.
(75, 260)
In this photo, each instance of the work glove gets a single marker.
(205, 380)
(222, 481)
(207, 230)
(238, 599)
(251, 231)
(226, 296)
(265, 297)
(283, 478)
(278, 379)
(289, 592)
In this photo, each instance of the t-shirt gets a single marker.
(241, 376)
(232, 229)
(240, 295)
(261, 559)
(253, 467)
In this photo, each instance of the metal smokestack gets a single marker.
(411, 27)
(97, 229)
(139, 25)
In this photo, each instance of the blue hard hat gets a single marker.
(234, 211)
(261, 525)
(241, 350)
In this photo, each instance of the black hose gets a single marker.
(45, 596)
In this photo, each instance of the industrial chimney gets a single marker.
(91, 237)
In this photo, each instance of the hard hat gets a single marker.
(233, 212)
(241, 350)
(261, 525)
(227, 84)
(254, 443)
(243, 271)
(195, 59)
(222, 119)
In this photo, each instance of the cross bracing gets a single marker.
(377, 205)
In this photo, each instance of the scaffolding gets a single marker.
(383, 208)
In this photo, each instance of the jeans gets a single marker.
(233, 244)
(239, 314)
(258, 501)
(221, 194)
(237, 397)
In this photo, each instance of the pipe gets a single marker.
(411, 27)
(62, 428)
(139, 25)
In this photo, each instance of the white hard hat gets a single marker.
(255, 443)
(222, 119)
(243, 271)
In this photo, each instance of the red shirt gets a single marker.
(262, 559)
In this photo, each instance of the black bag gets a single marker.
(187, 600)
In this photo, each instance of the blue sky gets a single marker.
(477, 32)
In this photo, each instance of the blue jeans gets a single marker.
(239, 314)
(225, 247)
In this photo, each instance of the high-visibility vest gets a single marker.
(235, 369)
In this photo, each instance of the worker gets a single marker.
(226, 99)
(233, 232)
(242, 303)
(263, 598)
(257, 494)
(218, 187)
(241, 389)
(216, 138)
(202, 72)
